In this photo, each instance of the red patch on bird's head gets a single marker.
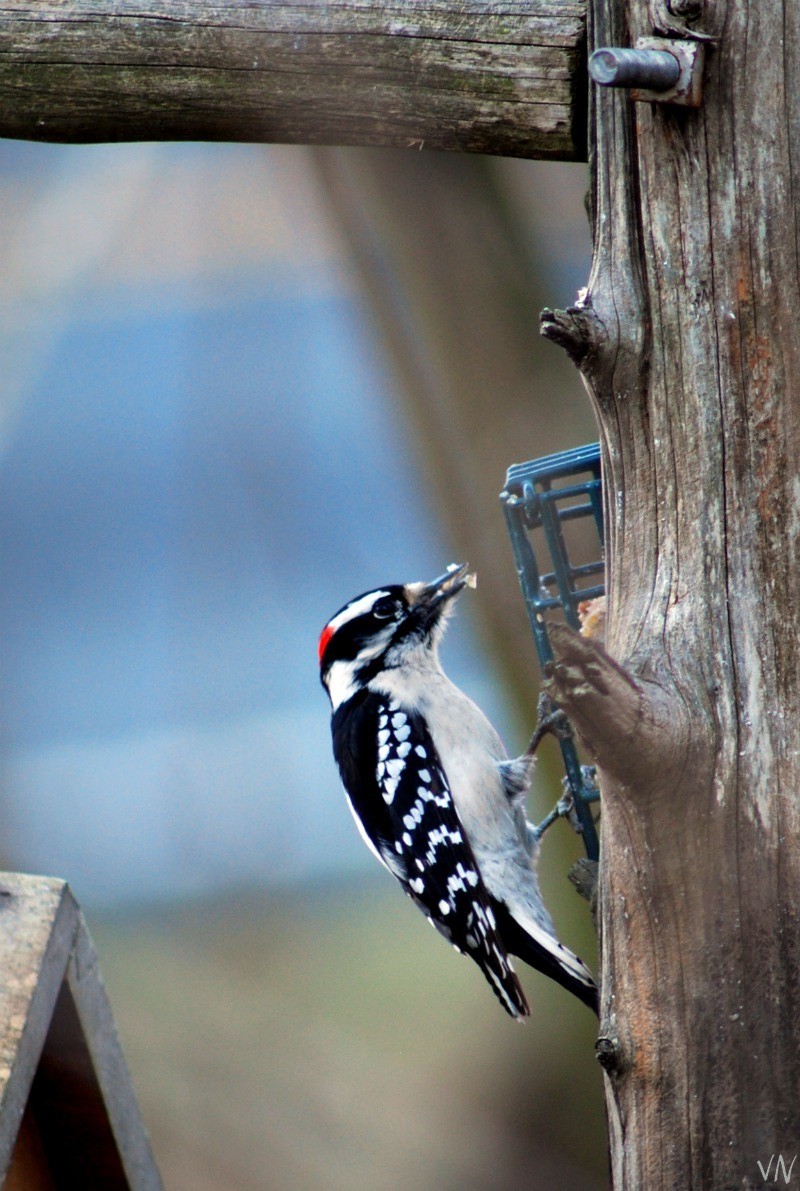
(324, 638)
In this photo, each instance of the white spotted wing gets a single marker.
(427, 850)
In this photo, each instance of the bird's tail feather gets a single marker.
(570, 972)
(505, 985)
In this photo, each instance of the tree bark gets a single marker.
(481, 77)
(686, 341)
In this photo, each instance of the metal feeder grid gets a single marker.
(544, 494)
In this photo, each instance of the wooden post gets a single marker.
(686, 339)
(68, 1113)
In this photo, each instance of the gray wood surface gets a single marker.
(688, 345)
(59, 1048)
(503, 78)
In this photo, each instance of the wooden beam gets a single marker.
(504, 78)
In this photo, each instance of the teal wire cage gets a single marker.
(543, 500)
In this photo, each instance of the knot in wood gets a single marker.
(688, 9)
(577, 329)
(608, 1052)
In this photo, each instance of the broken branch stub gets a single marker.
(618, 718)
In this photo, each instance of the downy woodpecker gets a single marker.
(432, 790)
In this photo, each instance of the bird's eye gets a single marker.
(384, 609)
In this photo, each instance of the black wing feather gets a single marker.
(398, 790)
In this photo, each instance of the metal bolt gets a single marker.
(652, 70)
(657, 70)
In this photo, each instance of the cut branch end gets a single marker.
(577, 329)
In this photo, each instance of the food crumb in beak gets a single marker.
(469, 580)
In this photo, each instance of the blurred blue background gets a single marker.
(200, 469)
(208, 444)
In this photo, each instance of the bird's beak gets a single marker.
(431, 596)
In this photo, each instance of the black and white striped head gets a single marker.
(383, 629)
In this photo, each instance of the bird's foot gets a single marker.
(562, 810)
(549, 720)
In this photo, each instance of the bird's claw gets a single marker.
(549, 720)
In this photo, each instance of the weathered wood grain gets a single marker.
(504, 78)
(687, 343)
(61, 1066)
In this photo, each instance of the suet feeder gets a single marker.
(542, 500)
